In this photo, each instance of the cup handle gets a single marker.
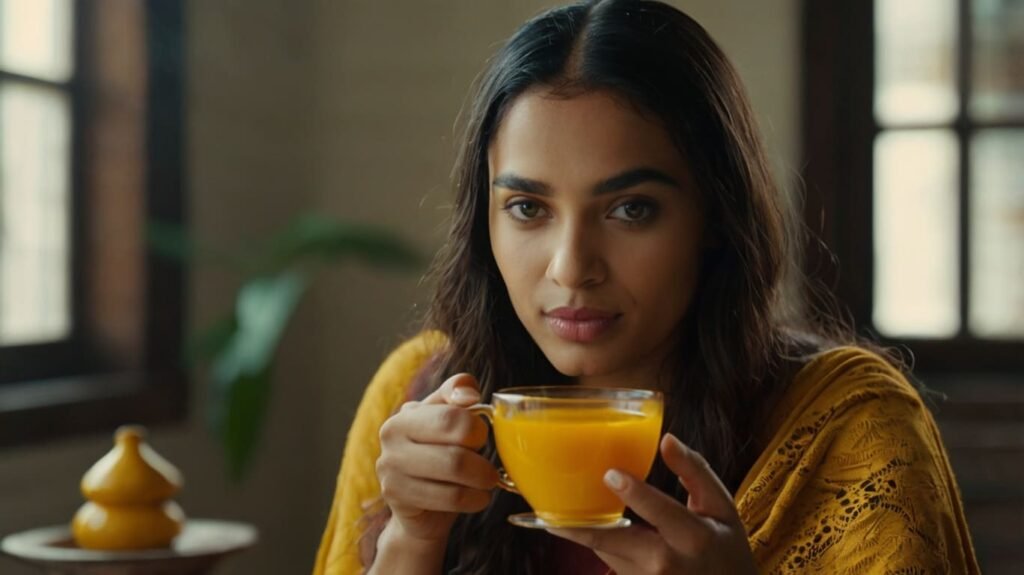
(487, 412)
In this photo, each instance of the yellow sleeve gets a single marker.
(862, 484)
(357, 487)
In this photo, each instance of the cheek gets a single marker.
(662, 273)
(517, 262)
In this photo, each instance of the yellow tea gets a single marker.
(557, 456)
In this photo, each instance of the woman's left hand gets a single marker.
(703, 536)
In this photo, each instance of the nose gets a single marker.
(577, 259)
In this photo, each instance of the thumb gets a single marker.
(460, 389)
(708, 496)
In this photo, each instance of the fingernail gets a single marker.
(615, 480)
(677, 444)
(463, 395)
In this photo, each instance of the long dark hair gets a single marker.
(742, 335)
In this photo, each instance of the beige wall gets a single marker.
(346, 107)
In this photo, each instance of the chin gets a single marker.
(580, 362)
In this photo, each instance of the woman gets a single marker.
(616, 224)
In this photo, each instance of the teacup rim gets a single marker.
(613, 393)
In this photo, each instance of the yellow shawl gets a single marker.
(854, 481)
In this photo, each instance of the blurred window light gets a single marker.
(915, 61)
(35, 38)
(941, 272)
(997, 79)
(35, 169)
(997, 234)
(915, 221)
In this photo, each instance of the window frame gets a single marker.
(33, 361)
(75, 386)
(839, 130)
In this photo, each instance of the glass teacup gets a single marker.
(557, 442)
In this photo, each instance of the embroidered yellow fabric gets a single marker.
(855, 479)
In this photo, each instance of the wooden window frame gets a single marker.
(839, 128)
(83, 384)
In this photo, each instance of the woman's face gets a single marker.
(596, 227)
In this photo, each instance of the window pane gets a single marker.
(998, 71)
(916, 234)
(35, 38)
(997, 234)
(915, 61)
(34, 247)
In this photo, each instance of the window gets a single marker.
(90, 151)
(914, 134)
(37, 120)
(35, 170)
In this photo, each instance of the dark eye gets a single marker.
(524, 210)
(634, 211)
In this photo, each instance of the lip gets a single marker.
(580, 325)
(580, 313)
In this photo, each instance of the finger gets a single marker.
(708, 497)
(670, 517)
(441, 425)
(407, 492)
(447, 464)
(459, 389)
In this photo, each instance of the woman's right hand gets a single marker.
(429, 469)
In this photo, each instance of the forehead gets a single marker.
(585, 136)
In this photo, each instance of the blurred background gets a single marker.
(901, 122)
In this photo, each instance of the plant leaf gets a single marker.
(207, 344)
(263, 308)
(245, 405)
(241, 371)
(314, 235)
(173, 242)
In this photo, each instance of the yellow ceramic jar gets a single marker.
(129, 493)
(98, 526)
(131, 473)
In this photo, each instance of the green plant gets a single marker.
(239, 350)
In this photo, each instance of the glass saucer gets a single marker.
(531, 521)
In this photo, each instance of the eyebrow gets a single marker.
(623, 181)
